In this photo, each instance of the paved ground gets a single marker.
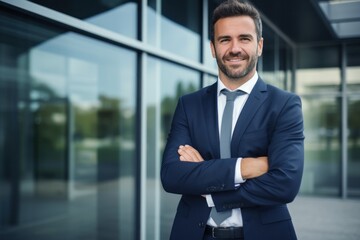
(314, 219)
(326, 218)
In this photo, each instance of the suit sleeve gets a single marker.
(187, 177)
(281, 183)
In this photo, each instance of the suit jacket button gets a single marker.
(201, 224)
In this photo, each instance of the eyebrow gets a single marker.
(246, 35)
(240, 36)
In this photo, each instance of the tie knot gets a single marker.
(231, 96)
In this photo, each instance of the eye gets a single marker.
(245, 39)
(224, 40)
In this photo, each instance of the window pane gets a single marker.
(67, 134)
(175, 26)
(353, 68)
(285, 65)
(322, 146)
(318, 70)
(208, 58)
(354, 147)
(182, 81)
(167, 83)
(118, 16)
(267, 67)
(353, 86)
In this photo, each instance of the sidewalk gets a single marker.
(317, 218)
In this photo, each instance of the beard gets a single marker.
(233, 73)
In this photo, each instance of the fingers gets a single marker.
(189, 154)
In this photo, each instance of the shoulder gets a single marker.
(278, 94)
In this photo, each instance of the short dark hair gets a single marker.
(233, 8)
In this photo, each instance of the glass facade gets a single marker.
(319, 83)
(322, 172)
(175, 26)
(353, 114)
(327, 81)
(117, 16)
(318, 70)
(161, 98)
(87, 94)
(68, 133)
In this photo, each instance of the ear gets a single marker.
(260, 46)
(212, 47)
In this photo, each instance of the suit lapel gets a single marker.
(256, 98)
(209, 103)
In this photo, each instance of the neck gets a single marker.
(234, 83)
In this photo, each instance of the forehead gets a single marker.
(235, 25)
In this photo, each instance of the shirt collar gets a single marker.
(246, 87)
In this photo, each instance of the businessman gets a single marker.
(235, 148)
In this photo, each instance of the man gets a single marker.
(252, 185)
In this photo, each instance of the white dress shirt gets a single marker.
(235, 220)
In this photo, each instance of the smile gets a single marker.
(235, 60)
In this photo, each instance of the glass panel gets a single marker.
(182, 81)
(353, 68)
(267, 69)
(118, 16)
(209, 80)
(354, 147)
(208, 58)
(353, 81)
(153, 21)
(161, 98)
(318, 70)
(322, 146)
(67, 152)
(285, 65)
(175, 26)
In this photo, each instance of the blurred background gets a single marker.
(87, 93)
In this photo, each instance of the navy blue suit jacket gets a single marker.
(270, 124)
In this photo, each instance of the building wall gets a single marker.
(87, 93)
(328, 82)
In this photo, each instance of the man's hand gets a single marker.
(254, 167)
(189, 154)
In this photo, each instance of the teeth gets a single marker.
(235, 60)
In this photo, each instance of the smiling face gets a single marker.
(236, 49)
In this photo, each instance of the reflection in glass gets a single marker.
(208, 58)
(268, 65)
(209, 80)
(118, 16)
(168, 83)
(322, 146)
(70, 112)
(318, 70)
(353, 87)
(285, 66)
(353, 68)
(174, 26)
(354, 147)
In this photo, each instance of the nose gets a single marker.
(235, 47)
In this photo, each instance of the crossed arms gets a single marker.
(271, 180)
(249, 168)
